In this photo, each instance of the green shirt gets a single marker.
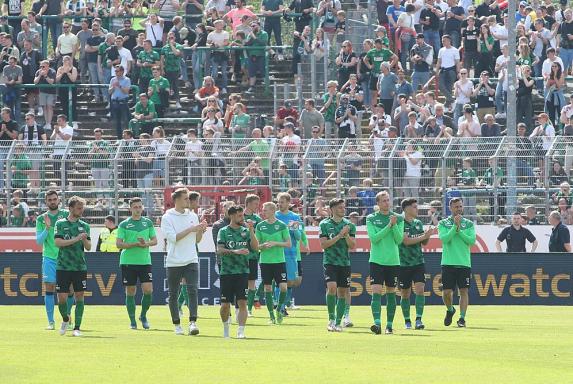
(150, 109)
(170, 60)
(158, 84)
(489, 178)
(377, 57)
(384, 238)
(303, 240)
(254, 255)
(21, 163)
(469, 176)
(338, 253)
(234, 239)
(456, 245)
(147, 57)
(72, 257)
(261, 40)
(411, 255)
(331, 110)
(261, 149)
(129, 231)
(101, 52)
(242, 122)
(100, 159)
(277, 231)
(49, 249)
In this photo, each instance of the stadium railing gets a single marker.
(107, 175)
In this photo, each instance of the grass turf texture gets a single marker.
(502, 344)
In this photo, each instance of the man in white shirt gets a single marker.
(219, 38)
(125, 57)
(413, 173)
(500, 32)
(182, 230)
(501, 64)
(61, 135)
(447, 68)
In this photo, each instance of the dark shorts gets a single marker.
(77, 279)
(253, 269)
(411, 274)
(276, 272)
(453, 277)
(373, 82)
(131, 273)
(338, 274)
(300, 268)
(234, 287)
(256, 64)
(384, 274)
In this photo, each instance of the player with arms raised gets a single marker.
(134, 237)
(72, 237)
(458, 235)
(336, 239)
(412, 262)
(234, 244)
(385, 231)
(45, 238)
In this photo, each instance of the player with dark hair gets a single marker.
(72, 237)
(385, 231)
(45, 237)
(234, 244)
(458, 235)
(134, 237)
(337, 238)
(412, 262)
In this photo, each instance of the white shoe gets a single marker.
(178, 105)
(40, 111)
(241, 333)
(51, 326)
(77, 333)
(293, 307)
(193, 329)
(337, 328)
(181, 313)
(347, 323)
(63, 328)
(226, 331)
(500, 115)
(331, 326)
(48, 127)
(179, 330)
(280, 57)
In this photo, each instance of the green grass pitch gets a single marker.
(502, 344)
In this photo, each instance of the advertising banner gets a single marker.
(497, 279)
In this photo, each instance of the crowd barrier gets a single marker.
(497, 279)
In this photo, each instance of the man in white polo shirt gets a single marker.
(447, 68)
(182, 230)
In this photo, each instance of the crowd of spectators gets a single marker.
(431, 71)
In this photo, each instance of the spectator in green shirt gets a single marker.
(146, 60)
(144, 112)
(240, 122)
(159, 91)
(257, 38)
(100, 154)
(170, 63)
(330, 99)
(21, 165)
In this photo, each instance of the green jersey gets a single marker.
(377, 57)
(149, 110)
(72, 257)
(469, 176)
(256, 219)
(411, 255)
(129, 231)
(384, 238)
(337, 254)
(170, 60)
(147, 57)
(260, 41)
(234, 239)
(489, 177)
(277, 231)
(303, 240)
(161, 84)
(21, 164)
(49, 248)
(100, 153)
(456, 245)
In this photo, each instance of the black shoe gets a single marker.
(376, 329)
(408, 324)
(388, 331)
(448, 318)
(284, 312)
(461, 323)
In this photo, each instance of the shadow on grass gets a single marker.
(97, 337)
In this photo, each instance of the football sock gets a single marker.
(390, 308)
(269, 303)
(70, 303)
(331, 306)
(260, 291)
(347, 310)
(145, 304)
(251, 299)
(420, 302)
(63, 308)
(49, 302)
(450, 308)
(130, 305)
(375, 305)
(463, 314)
(288, 297)
(79, 313)
(282, 299)
(340, 307)
(405, 304)
(183, 296)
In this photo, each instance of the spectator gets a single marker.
(405, 33)
(373, 61)
(46, 75)
(448, 66)
(346, 118)
(234, 16)
(285, 181)
(305, 7)
(212, 121)
(33, 136)
(379, 120)
(67, 44)
(143, 114)
(567, 112)
(463, 90)
(356, 96)
(219, 39)
(171, 55)
(559, 241)
(554, 98)
(21, 167)
(127, 149)
(566, 39)
(524, 97)
(441, 118)
(564, 212)
(515, 236)
(83, 35)
(387, 81)
(469, 179)
(159, 91)
(100, 155)
(430, 20)
(119, 88)
(363, 71)
(206, 92)
(199, 56)
(403, 87)
(12, 74)
(194, 154)
(328, 110)
(413, 129)
(108, 57)
(493, 177)
(501, 64)
(435, 212)
(352, 163)
(302, 48)
(257, 39)
(367, 197)
(484, 93)
(272, 10)
(285, 111)
(422, 58)
(346, 61)
(153, 26)
(413, 157)
(468, 126)
(531, 215)
(544, 131)
(30, 62)
(68, 74)
(144, 157)
(558, 175)
(53, 24)
(129, 35)
(61, 135)
(470, 44)
(28, 34)
(290, 146)
(490, 128)
(485, 51)
(92, 47)
(8, 133)
(124, 55)
(317, 150)
(107, 237)
(146, 60)
(240, 123)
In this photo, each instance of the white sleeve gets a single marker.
(168, 230)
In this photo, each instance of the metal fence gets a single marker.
(108, 173)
